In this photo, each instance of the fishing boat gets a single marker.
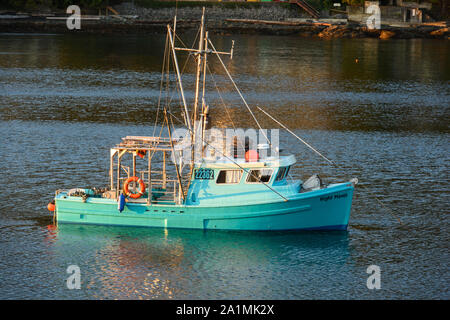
(197, 180)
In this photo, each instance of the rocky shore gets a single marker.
(386, 32)
(270, 19)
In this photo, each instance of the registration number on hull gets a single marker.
(203, 174)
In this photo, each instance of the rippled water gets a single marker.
(64, 100)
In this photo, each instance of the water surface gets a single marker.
(384, 118)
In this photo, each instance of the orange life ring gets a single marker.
(141, 187)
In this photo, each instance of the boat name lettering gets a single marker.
(336, 196)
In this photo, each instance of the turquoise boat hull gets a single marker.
(324, 209)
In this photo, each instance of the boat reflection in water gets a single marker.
(154, 263)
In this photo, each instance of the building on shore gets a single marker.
(391, 11)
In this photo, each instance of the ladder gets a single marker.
(307, 7)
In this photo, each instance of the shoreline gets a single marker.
(226, 26)
(222, 18)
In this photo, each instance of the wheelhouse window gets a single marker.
(229, 176)
(260, 175)
(282, 173)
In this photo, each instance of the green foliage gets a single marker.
(354, 2)
(25, 4)
(60, 4)
(321, 4)
(155, 4)
(94, 4)
(327, 4)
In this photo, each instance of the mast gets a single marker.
(204, 107)
(201, 59)
(201, 54)
(199, 65)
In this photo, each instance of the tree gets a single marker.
(61, 4)
(354, 2)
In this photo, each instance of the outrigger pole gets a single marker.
(300, 139)
(179, 77)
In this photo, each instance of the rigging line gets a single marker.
(172, 96)
(223, 103)
(175, 17)
(193, 43)
(173, 152)
(161, 84)
(171, 93)
(190, 54)
(151, 154)
(238, 91)
(184, 67)
(175, 158)
(178, 91)
(205, 64)
(395, 213)
(162, 125)
(199, 61)
(179, 77)
(303, 141)
(391, 211)
(168, 101)
(176, 7)
(247, 171)
(177, 88)
(182, 42)
(181, 73)
(165, 67)
(220, 96)
(168, 76)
